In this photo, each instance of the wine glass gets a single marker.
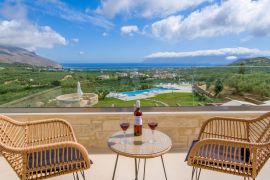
(152, 125)
(124, 124)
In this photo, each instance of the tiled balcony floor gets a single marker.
(104, 164)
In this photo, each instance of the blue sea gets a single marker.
(119, 66)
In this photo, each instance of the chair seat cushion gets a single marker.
(222, 153)
(53, 157)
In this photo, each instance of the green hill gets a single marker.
(258, 61)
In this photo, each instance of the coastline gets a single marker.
(127, 66)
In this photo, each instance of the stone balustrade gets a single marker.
(93, 129)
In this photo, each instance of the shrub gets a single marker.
(56, 83)
(218, 87)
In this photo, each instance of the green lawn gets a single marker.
(107, 102)
(14, 95)
(172, 99)
(33, 99)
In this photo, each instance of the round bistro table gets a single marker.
(139, 147)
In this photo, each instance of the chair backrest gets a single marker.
(259, 129)
(259, 132)
(12, 133)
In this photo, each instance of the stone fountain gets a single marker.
(78, 99)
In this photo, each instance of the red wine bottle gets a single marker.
(138, 120)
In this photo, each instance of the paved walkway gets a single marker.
(104, 164)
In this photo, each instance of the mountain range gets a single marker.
(10, 54)
(258, 61)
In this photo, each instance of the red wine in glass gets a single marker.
(124, 126)
(152, 125)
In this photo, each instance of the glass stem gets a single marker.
(153, 135)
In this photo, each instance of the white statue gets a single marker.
(79, 89)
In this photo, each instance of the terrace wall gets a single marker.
(93, 129)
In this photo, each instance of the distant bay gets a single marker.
(123, 66)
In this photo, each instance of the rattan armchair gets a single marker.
(42, 149)
(235, 146)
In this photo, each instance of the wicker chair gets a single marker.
(235, 146)
(42, 149)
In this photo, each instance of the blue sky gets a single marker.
(113, 31)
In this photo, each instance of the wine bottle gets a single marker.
(138, 119)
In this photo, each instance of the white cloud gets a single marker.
(62, 10)
(145, 8)
(81, 53)
(75, 40)
(8, 8)
(231, 58)
(16, 30)
(245, 39)
(28, 36)
(104, 34)
(130, 30)
(229, 17)
(229, 52)
(168, 28)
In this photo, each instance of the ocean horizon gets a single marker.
(115, 66)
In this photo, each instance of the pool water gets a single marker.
(139, 92)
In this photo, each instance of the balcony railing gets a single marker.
(93, 128)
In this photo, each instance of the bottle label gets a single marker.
(138, 120)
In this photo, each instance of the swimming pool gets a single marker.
(153, 90)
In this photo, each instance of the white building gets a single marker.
(103, 77)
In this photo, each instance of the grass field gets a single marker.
(34, 99)
(110, 102)
(183, 99)
(14, 95)
(172, 99)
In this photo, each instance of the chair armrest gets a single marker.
(224, 154)
(49, 131)
(225, 128)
